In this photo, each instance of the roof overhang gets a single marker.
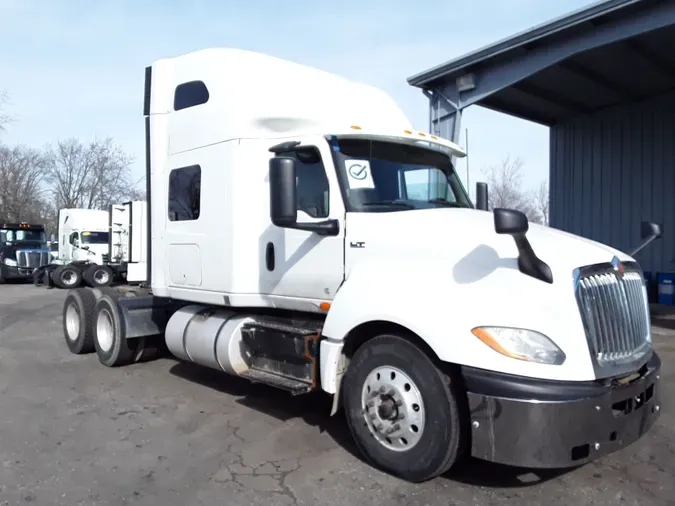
(610, 53)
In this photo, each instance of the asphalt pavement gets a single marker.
(73, 432)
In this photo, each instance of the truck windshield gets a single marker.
(388, 176)
(95, 237)
(10, 235)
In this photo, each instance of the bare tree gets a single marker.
(89, 176)
(21, 183)
(505, 181)
(542, 200)
(5, 118)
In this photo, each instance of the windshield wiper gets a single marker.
(389, 203)
(444, 202)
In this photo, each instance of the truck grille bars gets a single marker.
(614, 309)
(27, 259)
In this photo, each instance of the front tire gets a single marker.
(402, 411)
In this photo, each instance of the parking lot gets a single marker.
(74, 432)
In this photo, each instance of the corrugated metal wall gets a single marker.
(613, 170)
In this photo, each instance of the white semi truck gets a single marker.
(303, 235)
(98, 246)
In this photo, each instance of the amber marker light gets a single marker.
(484, 336)
(521, 344)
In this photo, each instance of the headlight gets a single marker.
(521, 344)
(10, 261)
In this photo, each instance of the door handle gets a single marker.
(269, 256)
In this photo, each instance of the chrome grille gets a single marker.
(31, 259)
(615, 312)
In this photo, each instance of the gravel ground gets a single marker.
(165, 433)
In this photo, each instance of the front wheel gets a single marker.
(402, 411)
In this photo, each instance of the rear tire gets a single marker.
(392, 385)
(78, 317)
(67, 276)
(112, 346)
(98, 275)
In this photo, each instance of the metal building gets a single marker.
(603, 79)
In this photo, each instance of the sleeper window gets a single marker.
(190, 95)
(185, 193)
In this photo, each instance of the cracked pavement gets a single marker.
(73, 432)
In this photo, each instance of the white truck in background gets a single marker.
(96, 247)
(304, 235)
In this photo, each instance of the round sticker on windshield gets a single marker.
(359, 174)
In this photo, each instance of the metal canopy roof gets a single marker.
(610, 53)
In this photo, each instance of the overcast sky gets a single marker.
(75, 67)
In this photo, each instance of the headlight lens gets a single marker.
(521, 344)
(10, 261)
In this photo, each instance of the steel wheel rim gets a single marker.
(68, 278)
(101, 276)
(104, 330)
(393, 408)
(72, 322)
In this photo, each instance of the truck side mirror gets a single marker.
(510, 221)
(649, 231)
(514, 223)
(482, 196)
(283, 200)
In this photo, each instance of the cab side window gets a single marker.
(73, 239)
(312, 187)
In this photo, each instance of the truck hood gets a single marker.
(457, 235)
(443, 272)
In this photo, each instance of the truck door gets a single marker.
(74, 250)
(307, 265)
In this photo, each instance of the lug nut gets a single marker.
(657, 408)
(597, 408)
(596, 446)
(393, 429)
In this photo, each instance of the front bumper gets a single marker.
(11, 272)
(534, 423)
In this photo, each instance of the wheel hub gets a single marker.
(387, 410)
(104, 330)
(393, 409)
(72, 322)
(101, 276)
